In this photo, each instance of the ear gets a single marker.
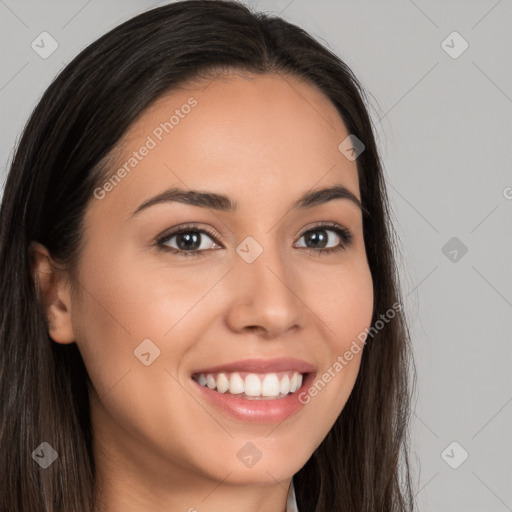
(53, 290)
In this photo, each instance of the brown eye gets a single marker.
(190, 241)
(318, 238)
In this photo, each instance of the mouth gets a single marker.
(252, 386)
(256, 390)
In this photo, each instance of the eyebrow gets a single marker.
(224, 203)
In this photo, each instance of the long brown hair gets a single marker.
(362, 464)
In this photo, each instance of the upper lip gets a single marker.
(261, 366)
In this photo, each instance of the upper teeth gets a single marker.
(252, 384)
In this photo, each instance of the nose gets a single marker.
(263, 296)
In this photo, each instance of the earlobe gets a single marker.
(53, 293)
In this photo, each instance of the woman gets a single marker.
(200, 306)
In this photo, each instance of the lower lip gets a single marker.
(257, 411)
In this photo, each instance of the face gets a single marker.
(263, 290)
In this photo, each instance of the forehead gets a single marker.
(256, 138)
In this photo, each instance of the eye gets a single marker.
(319, 238)
(189, 240)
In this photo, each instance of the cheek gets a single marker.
(342, 297)
(127, 298)
(121, 305)
(139, 296)
(352, 315)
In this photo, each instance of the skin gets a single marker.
(158, 444)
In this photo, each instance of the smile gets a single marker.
(252, 386)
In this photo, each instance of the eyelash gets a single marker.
(344, 234)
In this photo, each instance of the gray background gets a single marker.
(444, 127)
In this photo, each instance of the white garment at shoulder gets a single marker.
(291, 504)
